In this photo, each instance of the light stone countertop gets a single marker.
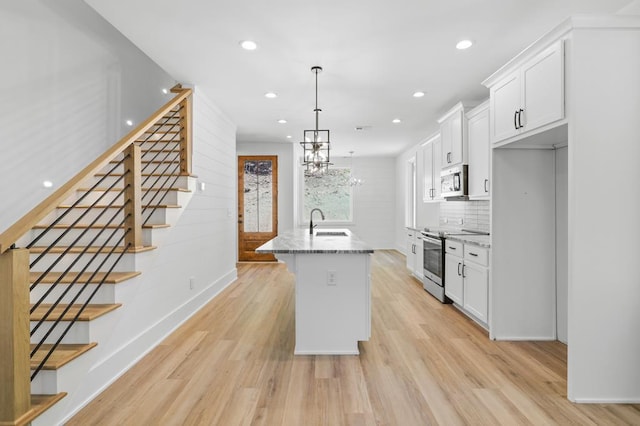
(479, 240)
(299, 241)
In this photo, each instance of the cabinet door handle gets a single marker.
(433, 193)
(452, 248)
(520, 118)
(515, 119)
(463, 275)
(460, 264)
(473, 254)
(486, 182)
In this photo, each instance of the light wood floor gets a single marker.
(425, 364)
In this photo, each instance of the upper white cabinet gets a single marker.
(479, 152)
(431, 155)
(452, 136)
(528, 97)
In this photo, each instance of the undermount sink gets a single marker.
(331, 234)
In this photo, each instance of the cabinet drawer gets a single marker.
(476, 254)
(453, 247)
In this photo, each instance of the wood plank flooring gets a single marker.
(425, 364)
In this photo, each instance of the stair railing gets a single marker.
(121, 201)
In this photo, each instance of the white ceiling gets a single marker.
(375, 54)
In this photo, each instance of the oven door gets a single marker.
(433, 264)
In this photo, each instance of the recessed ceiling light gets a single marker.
(418, 94)
(248, 45)
(464, 44)
(270, 95)
(288, 136)
(396, 121)
(47, 184)
(129, 123)
(282, 121)
(165, 91)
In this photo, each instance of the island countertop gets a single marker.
(300, 241)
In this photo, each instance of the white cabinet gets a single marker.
(453, 263)
(479, 152)
(453, 136)
(467, 278)
(431, 152)
(528, 97)
(414, 253)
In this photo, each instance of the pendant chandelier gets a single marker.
(316, 142)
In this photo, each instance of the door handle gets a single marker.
(463, 275)
(515, 119)
(520, 118)
(486, 181)
(459, 264)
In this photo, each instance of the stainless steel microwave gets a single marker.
(454, 182)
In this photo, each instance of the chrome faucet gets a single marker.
(311, 225)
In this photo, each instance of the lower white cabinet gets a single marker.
(454, 286)
(414, 252)
(467, 278)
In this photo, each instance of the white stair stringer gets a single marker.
(70, 376)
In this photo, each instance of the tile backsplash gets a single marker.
(474, 215)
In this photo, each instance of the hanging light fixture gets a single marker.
(316, 142)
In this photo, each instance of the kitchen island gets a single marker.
(332, 268)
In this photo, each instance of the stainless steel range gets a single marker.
(433, 239)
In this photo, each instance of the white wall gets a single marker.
(604, 207)
(373, 201)
(523, 261)
(69, 81)
(286, 176)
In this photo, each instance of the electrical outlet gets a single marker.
(445, 220)
(192, 283)
(202, 186)
(460, 221)
(332, 278)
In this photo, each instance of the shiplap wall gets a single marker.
(70, 85)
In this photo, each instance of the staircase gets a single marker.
(78, 249)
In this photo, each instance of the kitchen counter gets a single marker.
(333, 288)
(479, 240)
(300, 241)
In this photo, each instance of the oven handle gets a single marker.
(431, 239)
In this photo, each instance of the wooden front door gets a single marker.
(257, 205)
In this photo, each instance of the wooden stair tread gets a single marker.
(84, 226)
(39, 404)
(117, 206)
(142, 174)
(174, 161)
(63, 354)
(90, 313)
(173, 188)
(91, 249)
(113, 278)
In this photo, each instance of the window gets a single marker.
(331, 193)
